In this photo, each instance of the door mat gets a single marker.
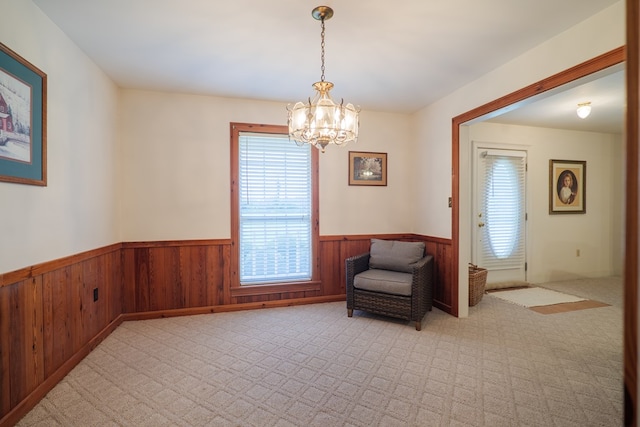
(568, 306)
(545, 301)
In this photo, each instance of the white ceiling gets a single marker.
(395, 57)
(557, 108)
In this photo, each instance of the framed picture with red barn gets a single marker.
(23, 113)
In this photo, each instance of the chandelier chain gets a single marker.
(322, 49)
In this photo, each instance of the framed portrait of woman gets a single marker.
(567, 186)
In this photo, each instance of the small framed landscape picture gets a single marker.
(567, 187)
(23, 111)
(367, 168)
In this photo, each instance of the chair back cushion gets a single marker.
(395, 255)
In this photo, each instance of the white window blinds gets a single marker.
(275, 209)
(503, 205)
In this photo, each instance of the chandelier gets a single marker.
(321, 122)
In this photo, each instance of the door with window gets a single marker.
(500, 213)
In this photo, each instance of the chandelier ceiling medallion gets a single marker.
(320, 121)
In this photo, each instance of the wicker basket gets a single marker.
(477, 282)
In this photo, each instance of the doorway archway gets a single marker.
(584, 69)
(632, 128)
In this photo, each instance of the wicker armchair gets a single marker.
(372, 283)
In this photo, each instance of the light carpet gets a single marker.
(314, 366)
(535, 296)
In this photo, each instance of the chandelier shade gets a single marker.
(320, 121)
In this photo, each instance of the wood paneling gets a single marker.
(25, 339)
(60, 296)
(48, 318)
(331, 267)
(445, 296)
(176, 275)
(115, 285)
(5, 350)
(186, 274)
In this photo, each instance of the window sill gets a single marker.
(252, 290)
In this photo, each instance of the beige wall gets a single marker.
(176, 168)
(77, 211)
(433, 150)
(553, 240)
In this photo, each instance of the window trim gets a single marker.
(267, 288)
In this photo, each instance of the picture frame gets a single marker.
(366, 168)
(567, 187)
(23, 119)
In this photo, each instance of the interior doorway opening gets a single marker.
(461, 231)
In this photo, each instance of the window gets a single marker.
(274, 206)
(503, 205)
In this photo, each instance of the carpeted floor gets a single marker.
(504, 365)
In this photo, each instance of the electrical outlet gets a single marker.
(450, 202)
(95, 294)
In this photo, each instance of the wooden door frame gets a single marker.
(631, 215)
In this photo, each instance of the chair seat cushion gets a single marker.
(389, 282)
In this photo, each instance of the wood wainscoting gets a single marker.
(162, 276)
(168, 278)
(49, 320)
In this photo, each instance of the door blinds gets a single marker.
(503, 207)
